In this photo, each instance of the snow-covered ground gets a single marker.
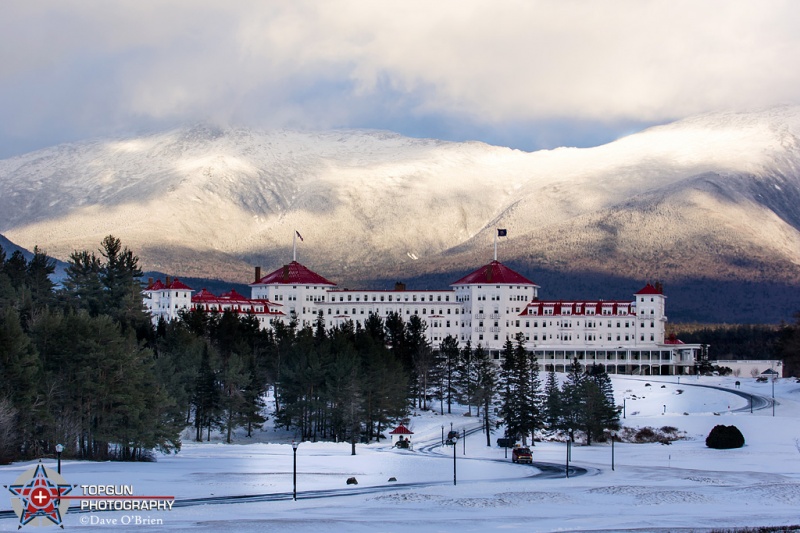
(654, 487)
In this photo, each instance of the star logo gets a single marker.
(37, 495)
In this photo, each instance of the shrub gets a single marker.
(650, 435)
(645, 434)
(725, 437)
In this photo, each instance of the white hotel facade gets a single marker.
(487, 307)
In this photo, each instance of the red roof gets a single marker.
(173, 285)
(649, 289)
(673, 339)
(401, 430)
(235, 302)
(293, 274)
(157, 286)
(495, 273)
(178, 284)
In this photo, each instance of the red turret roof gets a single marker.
(157, 286)
(173, 285)
(495, 273)
(293, 274)
(649, 289)
(672, 339)
(401, 430)
(178, 284)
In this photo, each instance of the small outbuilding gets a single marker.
(400, 432)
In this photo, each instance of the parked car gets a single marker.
(506, 442)
(521, 455)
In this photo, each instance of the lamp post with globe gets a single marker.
(59, 449)
(294, 470)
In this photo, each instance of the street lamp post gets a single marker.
(773, 394)
(464, 440)
(569, 445)
(623, 407)
(294, 470)
(613, 438)
(442, 434)
(59, 449)
(455, 440)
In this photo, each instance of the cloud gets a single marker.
(79, 68)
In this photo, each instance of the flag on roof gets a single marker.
(298, 234)
(502, 232)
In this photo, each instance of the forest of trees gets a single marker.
(583, 403)
(82, 365)
(733, 341)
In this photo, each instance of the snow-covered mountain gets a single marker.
(714, 197)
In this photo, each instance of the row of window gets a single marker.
(390, 298)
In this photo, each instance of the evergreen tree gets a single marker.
(448, 351)
(82, 284)
(422, 356)
(19, 371)
(206, 395)
(465, 377)
(573, 400)
(486, 386)
(552, 408)
(38, 273)
(520, 397)
(601, 412)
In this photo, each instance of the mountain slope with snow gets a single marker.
(713, 197)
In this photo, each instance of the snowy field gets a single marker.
(679, 487)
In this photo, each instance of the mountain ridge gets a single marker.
(713, 197)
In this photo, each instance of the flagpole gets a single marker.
(294, 246)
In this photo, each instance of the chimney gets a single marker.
(258, 274)
(169, 281)
(149, 281)
(399, 286)
(659, 287)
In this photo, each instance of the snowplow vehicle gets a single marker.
(521, 455)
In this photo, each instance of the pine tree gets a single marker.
(573, 400)
(422, 356)
(38, 273)
(82, 284)
(206, 395)
(448, 351)
(601, 411)
(19, 371)
(465, 377)
(552, 408)
(486, 386)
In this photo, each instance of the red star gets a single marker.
(40, 497)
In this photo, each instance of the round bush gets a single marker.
(725, 437)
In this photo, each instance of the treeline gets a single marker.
(75, 363)
(733, 341)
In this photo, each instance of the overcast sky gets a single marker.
(527, 74)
